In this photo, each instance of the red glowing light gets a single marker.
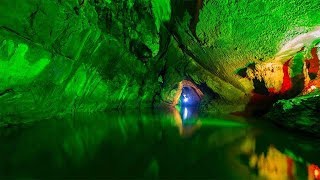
(286, 84)
(314, 172)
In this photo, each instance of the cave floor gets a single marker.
(155, 145)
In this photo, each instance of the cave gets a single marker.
(189, 102)
(189, 97)
(159, 89)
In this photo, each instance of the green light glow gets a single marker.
(221, 123)
(15, 69)
(297, 64)
(162, 11)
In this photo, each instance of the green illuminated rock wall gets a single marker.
(61, 56)
(300, 113)
(253, 29)
(65, 56)
(232, 34)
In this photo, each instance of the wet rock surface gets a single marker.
(300, 113)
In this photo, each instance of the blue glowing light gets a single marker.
(185, 98)
(185, 114)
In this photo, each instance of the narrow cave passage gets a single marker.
(189, 102)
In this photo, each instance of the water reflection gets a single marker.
(148, 145)
(313, 172)
(274, 164)
(189, 114)
(187, 121)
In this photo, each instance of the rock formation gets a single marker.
(60, 57)
(300, 113)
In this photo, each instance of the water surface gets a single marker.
(152, 145)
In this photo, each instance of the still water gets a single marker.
(156, 145)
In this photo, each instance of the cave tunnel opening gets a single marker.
(189, 97)
(189, 102)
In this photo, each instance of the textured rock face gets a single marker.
(259, 48)
(64, 56)
(300, 113)
(93, 55)
(265, 37)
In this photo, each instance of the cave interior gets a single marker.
(159, 89)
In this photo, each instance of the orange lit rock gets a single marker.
(313, 172)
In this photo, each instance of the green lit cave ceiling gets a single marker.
(62, 56)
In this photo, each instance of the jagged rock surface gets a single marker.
(64, 56)
(94, 55)
(300, 113)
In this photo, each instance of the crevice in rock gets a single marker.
(194, 8)
(9, 90)
(16, 33)
(33, 16)
(165, 39)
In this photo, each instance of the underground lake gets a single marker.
(155, 145)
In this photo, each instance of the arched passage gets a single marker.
(188, 99)
(188, 94)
